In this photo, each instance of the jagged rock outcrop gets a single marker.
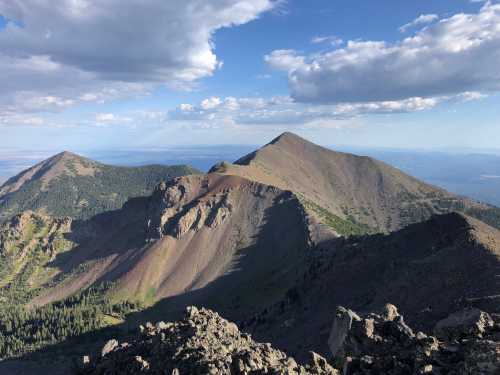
(192, 233)
(179, 209)
(201, 343)
(383, 343)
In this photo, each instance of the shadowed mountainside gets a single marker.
(428, 269)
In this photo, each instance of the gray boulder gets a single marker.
(467, 322)
(342, 324)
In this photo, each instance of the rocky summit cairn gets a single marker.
(201, 343)
(467, 342)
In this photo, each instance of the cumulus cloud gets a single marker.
(456, 55)
(282, 110)
(285, 59)
(243, 112)
(420, 20)
(91, 50)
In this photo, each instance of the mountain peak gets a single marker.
(66, 156)
(288, 137)
(63, 163)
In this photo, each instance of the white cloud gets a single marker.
(186, 107)
(285, 59)
(456, 55)
(472, 95)
(331, 39)
(94, 51)
(283, 111)
(401, 106)
(105, 117)
(420, 20)
(9, 119)
(211, 103)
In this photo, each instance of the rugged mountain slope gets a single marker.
(245, 240)
(70, 185)
(213, 240)
(357, 189)
(429, 270)
(192, 232)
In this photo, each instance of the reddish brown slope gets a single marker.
(190, 234)
(353, 187)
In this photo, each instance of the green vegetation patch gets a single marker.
(25, 330)
(344, 227)
(83, 196)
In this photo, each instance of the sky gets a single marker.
(147, 74)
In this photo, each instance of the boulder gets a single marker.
(467, 322)
(109, 347)
(342, 323)
(389, 312)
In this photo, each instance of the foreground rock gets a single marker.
(467, 342)
(201, 343)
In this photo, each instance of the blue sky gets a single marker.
(133, 74)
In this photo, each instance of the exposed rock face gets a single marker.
(201, 343)
(342, 324)
(191, 233)
(184, 205)
(384, 344)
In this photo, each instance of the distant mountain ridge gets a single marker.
(71, 185)
(358, 189)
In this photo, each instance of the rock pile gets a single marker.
(467, 342)
(201, 343)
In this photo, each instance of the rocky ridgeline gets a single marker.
(178, 209)
(201, 343)
(467, 342)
